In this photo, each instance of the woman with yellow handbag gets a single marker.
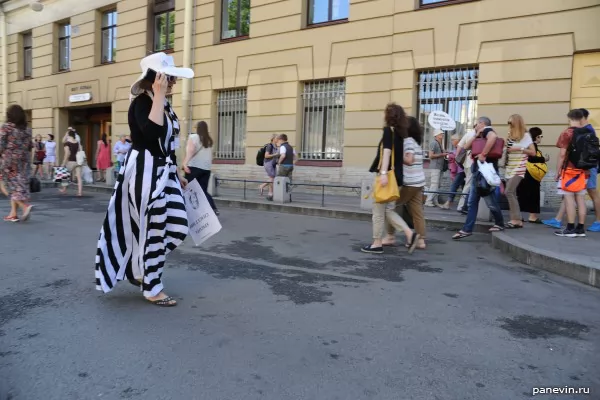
(388, 166)
(528, 191)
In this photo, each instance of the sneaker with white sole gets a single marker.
(566, 233)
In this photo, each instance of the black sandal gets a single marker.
(414, 239)
(537, 221)
(461, 235)
(166, 302)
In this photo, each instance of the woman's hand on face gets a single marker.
(160, 85)
(383, 179)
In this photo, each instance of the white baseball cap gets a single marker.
(160, 62)
(438, 132)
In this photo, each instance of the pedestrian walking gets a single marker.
(15, 159)
(413, 183)
(575, 179)
(483, 130)
(463, 203)
(519, 147)
(197, 163)
(457, 173)
(436, 166)
(528, 191)
(270, 165)
(287, 157)
(146, 217)
(71, 147)
(39, 153)
(50, 160)
(120, 150)
(103, 161)
(390, 157)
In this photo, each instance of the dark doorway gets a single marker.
(91, 124)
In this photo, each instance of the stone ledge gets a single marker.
(581, 271)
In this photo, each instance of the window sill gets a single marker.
(26, 78)
(236, 161)
(107, 62)
(234, 39)
(62, 71)
(327, 23)
(445, 3)
(319, 163)
(166, 51)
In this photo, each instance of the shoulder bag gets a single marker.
(391, 191)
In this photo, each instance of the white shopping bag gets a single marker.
(202, 220)
(489, 173)
(86, 174)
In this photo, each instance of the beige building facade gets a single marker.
(320, 71)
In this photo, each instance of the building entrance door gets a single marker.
(91, 124)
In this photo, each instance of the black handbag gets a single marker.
(35, 186)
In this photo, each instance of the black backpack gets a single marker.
(584, 150)
(260, 156)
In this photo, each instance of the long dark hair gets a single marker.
(415, 130)
(395, 117)
(105, 139)
(16, 115)
(202, 131)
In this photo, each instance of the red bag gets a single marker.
(494, 154)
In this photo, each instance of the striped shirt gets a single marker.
(516, 162)
(413, 174)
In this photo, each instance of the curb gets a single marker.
(583, 272)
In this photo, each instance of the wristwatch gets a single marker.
(383, 173)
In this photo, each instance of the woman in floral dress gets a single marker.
(15, 158)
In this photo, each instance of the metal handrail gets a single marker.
(322, 186)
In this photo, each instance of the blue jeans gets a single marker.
(458, 181)
(492, 203)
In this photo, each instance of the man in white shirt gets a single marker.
(464, 199)
(120, 150)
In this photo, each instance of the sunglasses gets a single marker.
(509, 123)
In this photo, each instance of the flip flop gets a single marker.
(414, 239)
(461, 235)
(166, 302)
(26, 213)
(510, 225)
(537, 221)
(496, 228)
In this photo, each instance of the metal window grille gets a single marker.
(323, 120)
(109, 36)
(453, 91)
(27, 55)
(64, 47)
(231, 113)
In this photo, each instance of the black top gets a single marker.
(145, 134)
(73, 149)
(391, 140)
(536, 159)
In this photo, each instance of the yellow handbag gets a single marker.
(391, 191)
(537, 170)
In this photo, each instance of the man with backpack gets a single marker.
(579, 153)
(592, 185)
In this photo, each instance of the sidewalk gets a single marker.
(534, 245)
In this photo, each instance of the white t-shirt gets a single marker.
(50, 149)
(466, 137)
(516, 163)
(203, 158)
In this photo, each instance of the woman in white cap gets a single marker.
(146, 217)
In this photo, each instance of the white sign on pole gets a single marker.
(202, 220)
(441, 120)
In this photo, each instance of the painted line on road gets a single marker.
(279, 266)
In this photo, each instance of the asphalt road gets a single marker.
(285, 307)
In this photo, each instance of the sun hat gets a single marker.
(438, 132)
(160, 62)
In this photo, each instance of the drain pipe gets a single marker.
(188, 26)
(4, 47)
